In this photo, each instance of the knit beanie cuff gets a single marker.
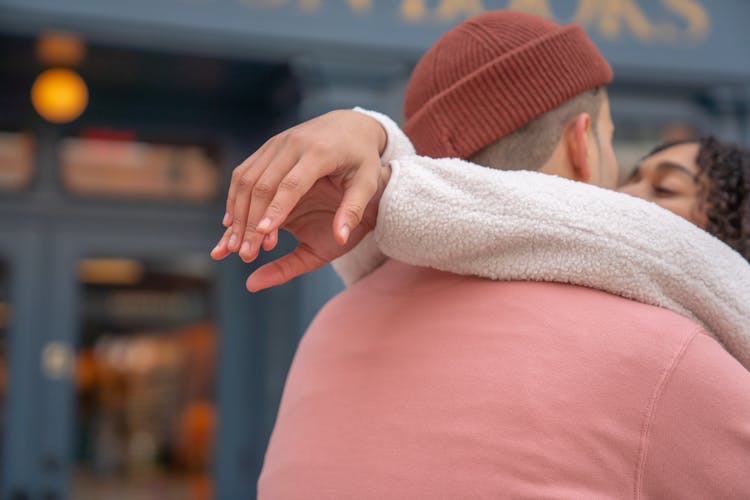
(507, 93)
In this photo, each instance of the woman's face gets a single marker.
(670, 179)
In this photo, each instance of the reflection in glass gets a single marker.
(16, 160)
(125, 168)
(146, 367)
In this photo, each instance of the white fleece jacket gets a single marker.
(456, 216)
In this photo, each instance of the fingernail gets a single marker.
(245, 248)
(226, 220)
(345, 232)
(267, 241)
(232, 241)
(264, 225)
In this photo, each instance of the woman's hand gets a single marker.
(323, 172)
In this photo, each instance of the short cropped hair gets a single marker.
(529, 147)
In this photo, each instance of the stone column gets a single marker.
(328, 85)
(333, 84)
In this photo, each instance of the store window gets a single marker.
(116, 165)
(16, 160)
(4, 368)
(146, 413)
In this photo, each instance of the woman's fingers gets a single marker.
(283, 174)
(359, 193)
(245, 182)
(283, 269)
(296, 184)
(221, 250)
(271, 240)
(267, 186)
(238, 171)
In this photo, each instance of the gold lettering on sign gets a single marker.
(586, 12)
(538, 7)
(448, 10)
(698, 22)
(309, 5)
(266, 3)
(688, 19)
(413, 10)
(314, 5)
(609, 17)
(360, 5)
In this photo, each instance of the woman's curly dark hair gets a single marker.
(726, 194)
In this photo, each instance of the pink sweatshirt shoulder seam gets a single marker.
(651, 410)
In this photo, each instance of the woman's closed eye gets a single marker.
(664, 192)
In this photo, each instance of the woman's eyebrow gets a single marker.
(669, 165)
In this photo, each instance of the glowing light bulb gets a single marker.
(59, 95)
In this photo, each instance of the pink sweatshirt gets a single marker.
(419, 384)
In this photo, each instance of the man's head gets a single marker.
(513, 90)
(574, 140)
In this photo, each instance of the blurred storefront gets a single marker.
(131, 365)
(119, 336)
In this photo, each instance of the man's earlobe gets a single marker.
(579, 147)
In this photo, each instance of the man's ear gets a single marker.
(577, 139)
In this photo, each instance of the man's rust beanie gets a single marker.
(492, 74)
